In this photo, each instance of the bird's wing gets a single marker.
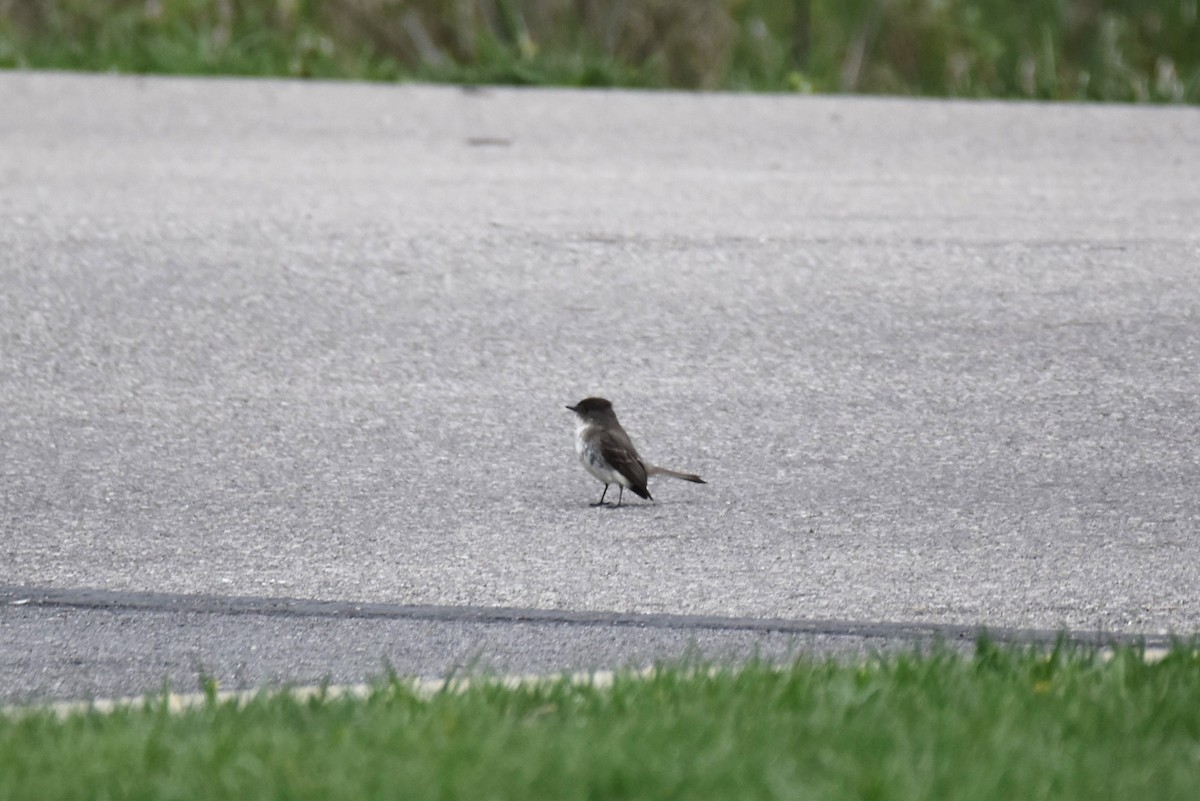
(619, 452)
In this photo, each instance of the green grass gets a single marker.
(1111, 50)
(1006, 723)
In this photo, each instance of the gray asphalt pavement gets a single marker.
(313, 340)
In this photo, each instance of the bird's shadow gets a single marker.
(648, 505)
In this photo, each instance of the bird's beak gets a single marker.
(572, 408)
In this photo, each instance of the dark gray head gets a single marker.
(593, 409)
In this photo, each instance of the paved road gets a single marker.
(938, 362)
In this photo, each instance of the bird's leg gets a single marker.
(621, 497)
(601, 501)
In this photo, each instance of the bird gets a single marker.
(607, 452)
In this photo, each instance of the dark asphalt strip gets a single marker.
(308, 608)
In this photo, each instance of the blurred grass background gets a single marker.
(1107, 50)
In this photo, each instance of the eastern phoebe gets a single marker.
(606, 451)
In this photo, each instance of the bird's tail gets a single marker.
(655, 470)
